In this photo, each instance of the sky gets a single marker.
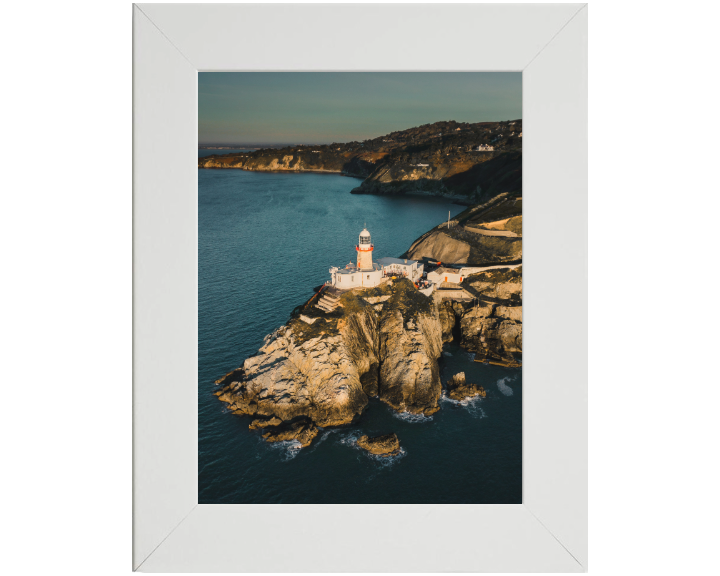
(326, 107)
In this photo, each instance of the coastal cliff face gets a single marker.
(321, 373)
(498, 315)
(484, 235)
(465, 177)
(440, 159)
(494, 318)
(410, 345)
(321, 368)
(293, 160)
(314, 380)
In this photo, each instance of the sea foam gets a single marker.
(473, 404)
(288, 449)
(503, 387)
(351, 439)
(410, 417)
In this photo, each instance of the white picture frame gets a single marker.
(548, 531)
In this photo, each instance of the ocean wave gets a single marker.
(288, 449)
(447, 354)
(473, 404)
(350, 439)
(387, 461)
(322, 436)
(410, 417)
(503, 387)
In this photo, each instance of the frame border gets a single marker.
(171, 43)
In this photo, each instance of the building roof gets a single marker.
(355, 269)
(444, 270)
(388, 261)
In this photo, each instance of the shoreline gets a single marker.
(282, 171)
(458, 200)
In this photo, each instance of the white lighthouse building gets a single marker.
(365, 273)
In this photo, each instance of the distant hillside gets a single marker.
(440, 159)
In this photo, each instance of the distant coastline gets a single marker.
(467, 163)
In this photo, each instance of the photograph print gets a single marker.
(360, 288)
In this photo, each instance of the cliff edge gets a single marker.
(321, 367)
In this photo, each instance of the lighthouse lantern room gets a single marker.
(364, 251)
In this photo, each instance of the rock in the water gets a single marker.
(459, 389)
(303, 432)
(387, 445)
(265, 423)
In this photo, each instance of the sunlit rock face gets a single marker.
(321, 374)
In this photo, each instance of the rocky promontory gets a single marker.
(323, 365)
(320, 368)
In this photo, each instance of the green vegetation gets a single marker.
(406, 298)
(403, 297)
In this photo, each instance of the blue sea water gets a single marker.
(265, 240)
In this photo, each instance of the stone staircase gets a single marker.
(327, 303)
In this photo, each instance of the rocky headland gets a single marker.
(321, 368)
(468, 163)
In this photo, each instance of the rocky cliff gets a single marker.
(320, 368)
(483, 235)
(440, 159)
(493, 318)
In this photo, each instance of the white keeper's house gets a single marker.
(411, 269)
(366, 273)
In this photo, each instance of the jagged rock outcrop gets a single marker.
(316, 379)
(302, 431)
(459, 389)
(447, 320)
(321, 374)
(496, 318)
(387, 445)
(409, 374)
(361, 337)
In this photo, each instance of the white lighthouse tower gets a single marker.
(366, 274)
(364, 251)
